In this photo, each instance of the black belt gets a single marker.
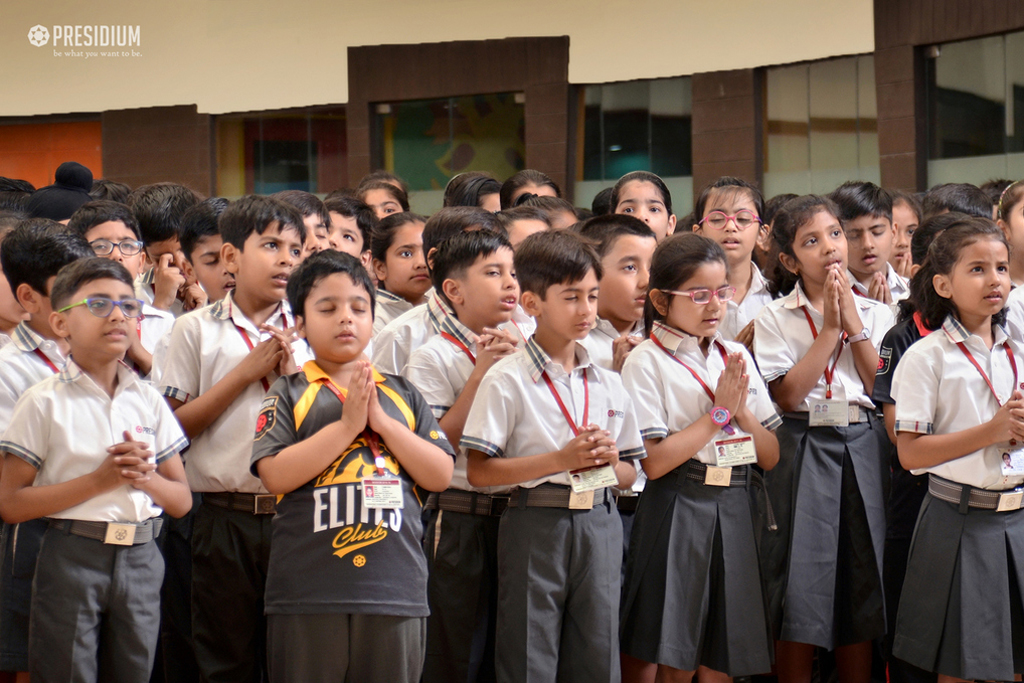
(627, 503)
(970, 497)
(467, 502)
(740, 476)
(97, 531)
(557, 496)
(253, 503)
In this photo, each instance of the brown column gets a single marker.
(159, 144)
(726, 126)
(902, 146)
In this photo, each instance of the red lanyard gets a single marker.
(829, 372)
(372, 440)
(701, 382)
(459, 345)
(248, 342)
(1009, 354)
(46, 360)
(558, 399)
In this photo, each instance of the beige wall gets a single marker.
(240, 55)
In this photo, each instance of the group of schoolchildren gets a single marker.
(292, 439)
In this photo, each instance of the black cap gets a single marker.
(60, 200)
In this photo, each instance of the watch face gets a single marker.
(720, 416)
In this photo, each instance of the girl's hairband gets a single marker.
(999, 206)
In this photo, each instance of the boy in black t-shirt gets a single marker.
(347, 583)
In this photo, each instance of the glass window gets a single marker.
(268, 153)
(426, 142)
(636, 126)
(975, 110)
(822, 126)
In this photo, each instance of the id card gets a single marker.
(738, 450)
(593, 478)
(383, 492)
(120, 534)
(829, 413)
(1012, 463)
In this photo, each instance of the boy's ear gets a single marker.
(789, 263)
(660, 301)
(229, 257)
(59, 325)
(29, 298)
(365, 259)
(453, 290)
(430, 258)
(943, 287)
(300, 327)
(530, 303)
(187, 270)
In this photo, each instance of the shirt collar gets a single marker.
(455, 328)
(605, 327)
(71, 373)
(678, 342)
(225, 310)
(958, 334)
(385, 295)
(437, 311)
(25, 338)
(149, 277)
(798, 298)
(539, 360)
(758, 282)
(314, 373)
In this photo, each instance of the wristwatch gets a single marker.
(721, 417)
(863, 335)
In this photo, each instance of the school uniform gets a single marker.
(558, 567)
(96, 595)
(899, 286)
(388, 306)
(739, 313)
(827, 491)
(599, 342)
(231, 531)
(393, 345)
(26, 361)
(961, 613)
(145, 291)
(709, 610)
(461, 539)
(906, 493)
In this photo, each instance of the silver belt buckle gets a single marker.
(854, 411)
(1010, 500)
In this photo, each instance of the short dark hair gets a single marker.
(962, 197)
(93, 213)
(858, 198)
(110, 190)
(318, 266)
(14, 201)
(929, 230)
(604, 230)
(643, 177)
(466, 189)
(397, 193)
(554, 257)
(602, 202)
(77, 274)
(10, 220)
(16, 185)
(460, 251)
(772, 206)
(521, 179)
(200, 222)
(994, 188)
(548, 205)
(37, 249)
(349, 206)
(506, 217)
(452, 220)
(160, 208)
(384, 232)
(307, 204)
(728, 185)
(382, 176)
(253, 214)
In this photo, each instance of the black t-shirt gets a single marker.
(329, 553)
(907, 491)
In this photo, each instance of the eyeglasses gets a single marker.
(742, 220)
(703, 296)
(103, 247)
(102, 307)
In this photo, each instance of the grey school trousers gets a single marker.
(95, 610)
(559, 579)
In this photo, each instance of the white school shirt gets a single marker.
(22, 368)
(782, 337)
(899, 286)
(522, 325)
(739, 313)
(599, 342)
(145, 291)
(439, 370)
(5, 339)
(63, 426)
(667, 397)
(939, 391)
(205, 346)
(1015, 313)
(411, 330)
(388, 307)
(515, 414)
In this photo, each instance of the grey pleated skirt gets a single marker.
(823, 567)
(693, 591)
(961, 612)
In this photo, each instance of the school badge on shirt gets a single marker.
(267, 417)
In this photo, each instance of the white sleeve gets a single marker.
(644, 385)
(774, 356)
(915, 390)
(180, 376)
(492, 417)
(28, 434)
(427, 372)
